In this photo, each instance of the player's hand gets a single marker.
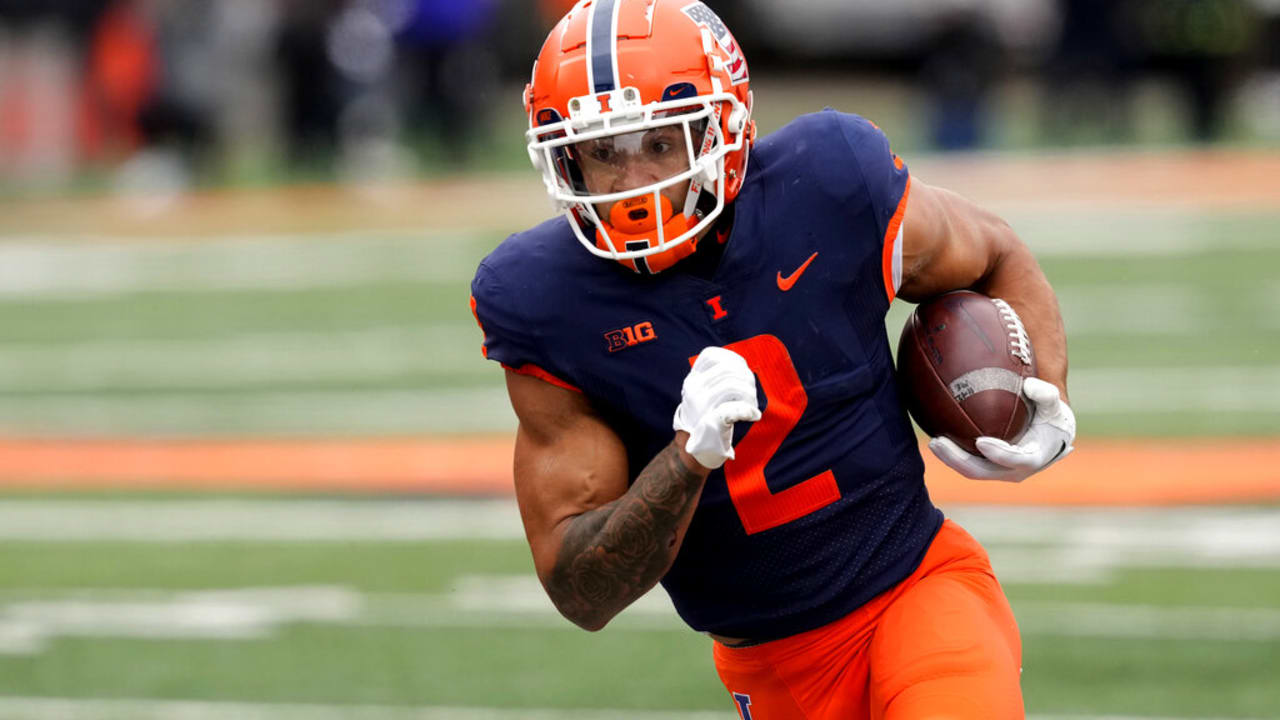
(719, 390)
(1047, 440)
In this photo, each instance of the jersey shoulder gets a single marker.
(524, 291)
(530, 266)
(835, 174)
(543, 246)
(826, 138)
(841, 156)
(515, 290)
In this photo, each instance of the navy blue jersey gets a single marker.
(825, 505)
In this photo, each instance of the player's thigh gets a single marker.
(948, 648)
(818, 675)
(761, 693)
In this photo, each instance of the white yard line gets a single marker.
(1137, 309)
(1194, 536)
(328, 412)
(1153, 232)
(259, 520)
(1149, 621)
(79, 269)
(227, 361)
(232, 360)
(1071, 541)
(31, 619)
(229, 408)
(1227, 389)
(30, 708)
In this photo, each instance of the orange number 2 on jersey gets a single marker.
(757, 506)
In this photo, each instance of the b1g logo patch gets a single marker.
(744, 705)
(706, 17)
(626, 337)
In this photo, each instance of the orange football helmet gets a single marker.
(631, 101)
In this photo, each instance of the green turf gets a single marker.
(514, 668)
(1160, 678)
(1197, 290)
(1171, 587)
(398, 661)
(371, 567)
(204, 314)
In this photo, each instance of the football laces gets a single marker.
(1019, 342)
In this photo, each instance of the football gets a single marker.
(962, 358)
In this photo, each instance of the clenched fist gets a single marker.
(719, 390)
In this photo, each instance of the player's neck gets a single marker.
(706, 259)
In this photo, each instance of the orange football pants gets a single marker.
(942, 643)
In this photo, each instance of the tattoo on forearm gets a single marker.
(612, 555)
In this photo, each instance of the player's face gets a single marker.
(632, 160)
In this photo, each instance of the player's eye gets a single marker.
(660, 147)
(601, 153)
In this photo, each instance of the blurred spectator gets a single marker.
(962, 64)
(41, 57)
(1090, 74)
(1206, 46)
(450, 72)
(310, 84)
(180, 112)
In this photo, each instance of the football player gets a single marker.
(696, 354)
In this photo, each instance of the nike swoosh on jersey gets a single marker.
(788, 282)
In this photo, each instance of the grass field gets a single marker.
(427, 605)
(372, 335)
(177, 605)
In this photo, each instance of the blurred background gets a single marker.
(181, 93)
(252, 464)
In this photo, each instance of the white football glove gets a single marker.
(1047, 440)
(719, 391)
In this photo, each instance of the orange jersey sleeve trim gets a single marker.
(483, 350)
(891, 255)
(534, 371)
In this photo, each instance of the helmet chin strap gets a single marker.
(633, 225)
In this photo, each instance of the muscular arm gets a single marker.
(597, 544)
(950, 244)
